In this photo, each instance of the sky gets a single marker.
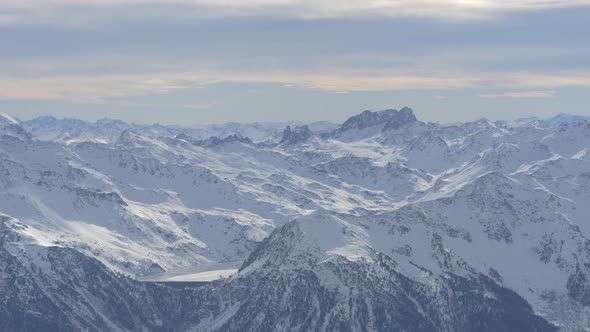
(192, 62)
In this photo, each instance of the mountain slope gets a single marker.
(285, 284)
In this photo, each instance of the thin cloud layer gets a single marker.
(97, 89)
(77, 12)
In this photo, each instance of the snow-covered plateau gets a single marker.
(381, 223)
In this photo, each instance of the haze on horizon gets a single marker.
(204, 61)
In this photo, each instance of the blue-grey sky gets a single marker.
(212, 61)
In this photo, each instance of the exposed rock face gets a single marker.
(215, 141)
(401, 118)
(389, 119)
(296, 135)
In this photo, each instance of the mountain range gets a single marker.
(384, 222)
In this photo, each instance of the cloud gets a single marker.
(84, 89)
(520, 94)
(162, 106)
(82, 12)
(547, 50)
(98, 88)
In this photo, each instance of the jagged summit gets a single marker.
(215, 141)
(296, 135)
(389, 119)
(399, 118)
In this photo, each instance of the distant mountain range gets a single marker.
(49, 128)
(382, 223)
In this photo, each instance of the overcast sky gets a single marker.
(212, 61)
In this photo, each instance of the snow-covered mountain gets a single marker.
(382, 223)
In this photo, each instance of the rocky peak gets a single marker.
(398, 119)
(296, 135)
(390, 119)
(215, 141)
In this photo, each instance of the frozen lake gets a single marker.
(201, 273)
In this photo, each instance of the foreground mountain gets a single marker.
(384, 223)
(288, 283)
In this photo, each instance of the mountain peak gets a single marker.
(399, 118)
(296, 135)
(390, 119)
(215, 140)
